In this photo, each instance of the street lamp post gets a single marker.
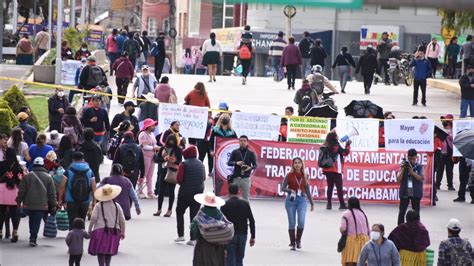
(72, 10)
(59, 33)
(83, 12)
(50, 23)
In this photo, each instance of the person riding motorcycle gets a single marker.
(319, 82)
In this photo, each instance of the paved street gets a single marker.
(149, 240)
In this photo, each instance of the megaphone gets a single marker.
(353, 132)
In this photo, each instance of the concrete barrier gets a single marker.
(450, 85)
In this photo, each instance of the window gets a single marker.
(194, 16)
(222, 15)
(152, 27)
(217, 13)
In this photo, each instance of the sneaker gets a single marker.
(33, 243)
(180, 239)
(414, 104)
(451, 188)
(459, 200)
(343, 207)
(191, 243)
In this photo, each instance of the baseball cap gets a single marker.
(22, 116)
(91, 58)
(223, 106)
(38, 161)
(454, 224)
(96, 97)
(129, 103)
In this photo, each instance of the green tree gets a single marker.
(457, 20)
(75, 37)
(16, 100)
(7, 117)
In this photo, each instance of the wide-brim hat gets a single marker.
(209, 199)
(150, 97)
(148, 123)
(107, 192)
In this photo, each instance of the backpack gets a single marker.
(95, 76)
(113, 146)
(80, 187)
(219, 232)
(71, 132)
(459, 255)
(306, 102)
(318, 83)
(325, 160)
(154, 49)
(132, 49)
(130, 161)
(244, 52)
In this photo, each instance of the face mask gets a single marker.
(445, 124)
(83, 49)
(374, 235)
(225, 122)
(131, 111)
(60, 93)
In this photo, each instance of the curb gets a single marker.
(446, 85)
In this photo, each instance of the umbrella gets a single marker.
(322, 111)
(464, 142)
(364, 109)
(440, 133)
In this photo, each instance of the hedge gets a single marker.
(16, 100)
(7, 117)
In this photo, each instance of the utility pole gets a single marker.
(72, 12)
(59, 33)
(1, 31)
(172, 32)
(83, 12)
(50, 23)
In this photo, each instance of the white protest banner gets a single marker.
(364, 131)
(256, 126)
(458, 126)
(193, 119)
(68, 71)
(405, 134)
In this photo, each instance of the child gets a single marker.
(75, 241)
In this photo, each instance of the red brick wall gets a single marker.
(206, 19)
(158, 11)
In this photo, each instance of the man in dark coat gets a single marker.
(318, 54)
(57, 104)
(127, 114)
(161, 54)
(367, 65)
(130, 156)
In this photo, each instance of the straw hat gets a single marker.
(150, 97)
(107, 192)
(209, 199)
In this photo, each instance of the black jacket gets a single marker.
(344, 59)
(102, 124)
(84, 76)
(305, 47)
(318, 54)
(54, 103)
(367, 64)
(238, 211)
(467, 93)
(120, 156)
(92, 155)
(118, 118)
(247, 156)
(161, 48)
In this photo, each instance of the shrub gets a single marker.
(16, 100)
(7, 117)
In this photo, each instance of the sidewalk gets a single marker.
(450, 85)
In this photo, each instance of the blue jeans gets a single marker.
(294, 208)
(465, 103)
(35, 218)
(188, 69)
(276, 65)
(306, 67)
(236, 251)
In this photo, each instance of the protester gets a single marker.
(296, 186)
(334, 169)
(451, 56)
(127, 195)
(199, 69)
(344, 61)
(466, 179)
(164, 92)
(37, 194)
(42, 41)
(222, 129)
(147, 142)
(455, 250)
(126, 115)
(284, 123)
(238, 212)
(306, 98)
(83, 52)
(121, 39)
(190, 176)
(148, 108)
(411, 239)
(447, 152)
(158, 51)
(198, 96)
(305, 46)
(132, 47)
(75, 241)
(29, 132)
(124, 71)
(11, 175)
(245, 52)
(410, 177)
(433, 51)
(244, 162)
(318, 54)
(17, 143)
(379, 251)
(467, 92)
(66, 51)
(367, 66)
(275, 53)
(383, 53)
(39, 149)
(144, 83)
(107, 225)
(212, 51)
(97, 118)
(145, 44)
(57, 104)
(422, 71)
(24, 51)
(355, 225)
(65, 152)
(92, 152)
(173, 130)
(92, 75)
(169, 156)
(291, 60)
(467, 53)
(130, 156)
(111, 47)
(188, 61)
(77, 188)
(206, 253)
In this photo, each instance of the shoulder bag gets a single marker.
(341, 244)
(214, 231)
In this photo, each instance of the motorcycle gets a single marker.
(400, 70)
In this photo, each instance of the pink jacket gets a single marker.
(163, 92)
(429, 50)
(350, 226)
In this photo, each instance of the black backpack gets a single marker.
(306, 102)
(80, 187)
(95, 77)
(129, 162)
(325, 158)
